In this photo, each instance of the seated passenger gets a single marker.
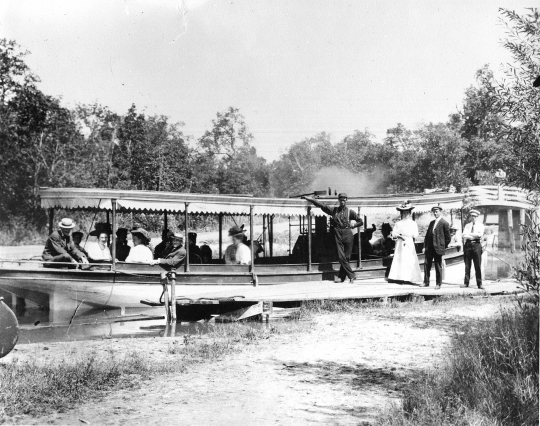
(163, 246)
(206, 252)
(237, 253)
(122, 247)
(384, 246)
(366, 236)
(99, 251)
(60, 247)
(141, 251)
(77, 239)
(174, 257)
(455, 237)
(195, 255)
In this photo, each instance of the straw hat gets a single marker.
(474, 212)
(66, 223)
(177, 236)
(437, 207)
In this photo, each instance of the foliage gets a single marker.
(295, 171)
(489, 377)
(429, 157)
(518, 102)
(226, 162)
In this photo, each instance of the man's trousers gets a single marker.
(472, 252)
(431, 257)
(344, 245)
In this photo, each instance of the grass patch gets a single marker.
(38, 388)
(489, 377)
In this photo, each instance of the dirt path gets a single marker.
(339, 373)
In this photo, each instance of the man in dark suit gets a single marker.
(435, 244)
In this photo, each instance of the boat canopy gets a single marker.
(212, 204)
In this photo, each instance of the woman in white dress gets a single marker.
(405, 266)
(141, 252)
(99, 251)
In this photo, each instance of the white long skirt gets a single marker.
(405, 266)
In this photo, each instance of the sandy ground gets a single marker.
(338, 370)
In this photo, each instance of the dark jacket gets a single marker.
(58, 243)
(173, 259)
(437, 239)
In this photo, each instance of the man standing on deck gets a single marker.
(435, 244)
(472, 249)
(341, 229)
(60, 248)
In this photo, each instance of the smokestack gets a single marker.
(329, 191)
(335, 191)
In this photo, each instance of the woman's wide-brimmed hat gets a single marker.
(236, 230)
(66, 223)
(141, 231)
(101, 228)
(405, 206)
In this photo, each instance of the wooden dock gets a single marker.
(252, 299)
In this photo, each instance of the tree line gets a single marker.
(43, 143)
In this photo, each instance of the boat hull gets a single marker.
(129, 283)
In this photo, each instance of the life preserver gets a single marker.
(9, 329)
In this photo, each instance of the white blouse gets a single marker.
(95, 252)
(140, 254)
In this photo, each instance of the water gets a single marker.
(36, 325)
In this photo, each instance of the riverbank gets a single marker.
(341, 365)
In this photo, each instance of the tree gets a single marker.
(519, 104)
(38, 138)
(226, 162)
(295, 171)
(429, 157)
(479, 124)
(518, 101)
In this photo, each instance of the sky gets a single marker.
(293, 68)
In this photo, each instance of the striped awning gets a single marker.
(212, 204)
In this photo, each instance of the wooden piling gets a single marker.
(166, 300)
(511, 231)
(173, 296)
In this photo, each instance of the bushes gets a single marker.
(489, 377)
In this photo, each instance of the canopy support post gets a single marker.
(252, 251)
(165, 221)
(309, 237)
(186, 238)
(220, 248)
(271, 235)
(290, 251)
(113, 251)
(51, 221)
(359, 265)
(264, 235)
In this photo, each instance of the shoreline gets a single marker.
(342, 365)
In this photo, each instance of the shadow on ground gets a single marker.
(372, 384)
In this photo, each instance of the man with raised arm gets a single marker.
(341, 228)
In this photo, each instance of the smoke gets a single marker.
(354, 184)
